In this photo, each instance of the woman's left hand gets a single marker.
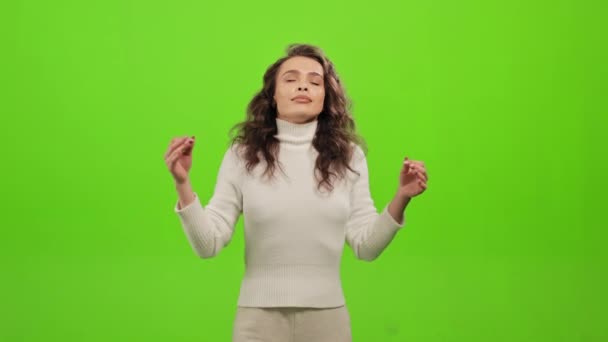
(413, 178)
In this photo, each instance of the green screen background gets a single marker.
(505, 102)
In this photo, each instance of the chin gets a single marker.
(302, 116)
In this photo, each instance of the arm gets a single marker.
(397, 207)
(367, 232)
(210, 228)
(185, 193)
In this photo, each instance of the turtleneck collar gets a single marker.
(294, 133)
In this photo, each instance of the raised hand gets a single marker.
(413, 178)
(179, 158)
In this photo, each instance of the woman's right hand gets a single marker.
(179, 158)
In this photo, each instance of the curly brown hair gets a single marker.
(335, 138)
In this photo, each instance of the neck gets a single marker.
(296, 133)
(296, 121)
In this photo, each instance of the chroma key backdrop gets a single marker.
(505, 102)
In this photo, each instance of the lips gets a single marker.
(301, 98)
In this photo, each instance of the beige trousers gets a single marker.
(292, 324)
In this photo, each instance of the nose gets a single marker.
(302, 88)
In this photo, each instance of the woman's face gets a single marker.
(300, 90)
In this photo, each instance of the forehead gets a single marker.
(302, 64)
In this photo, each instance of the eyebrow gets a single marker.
(297, 72)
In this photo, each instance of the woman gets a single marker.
(297, 221)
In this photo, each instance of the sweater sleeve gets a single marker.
(210, 228)
(367, 232)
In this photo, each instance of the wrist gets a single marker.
(402, 196)
(183, 184)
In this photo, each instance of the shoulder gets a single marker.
(234, 152)
(233, 157)
(357, 154)
(358, 162)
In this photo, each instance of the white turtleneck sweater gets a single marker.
(294, 234)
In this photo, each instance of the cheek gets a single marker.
(320, 95)
(281, 94)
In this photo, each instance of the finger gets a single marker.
(406, 165)
(407, 169)
(170, 160)
(421, 172)
(423, 177)
(187, 142)
(188, 149)
(174, 157)
(410, 169)
(411, 162)
(174, 143)
(420, 176)
(419, 168)
(418, 162)
(178, 152)
(422, 184)
(180, 143)
(177, 143)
